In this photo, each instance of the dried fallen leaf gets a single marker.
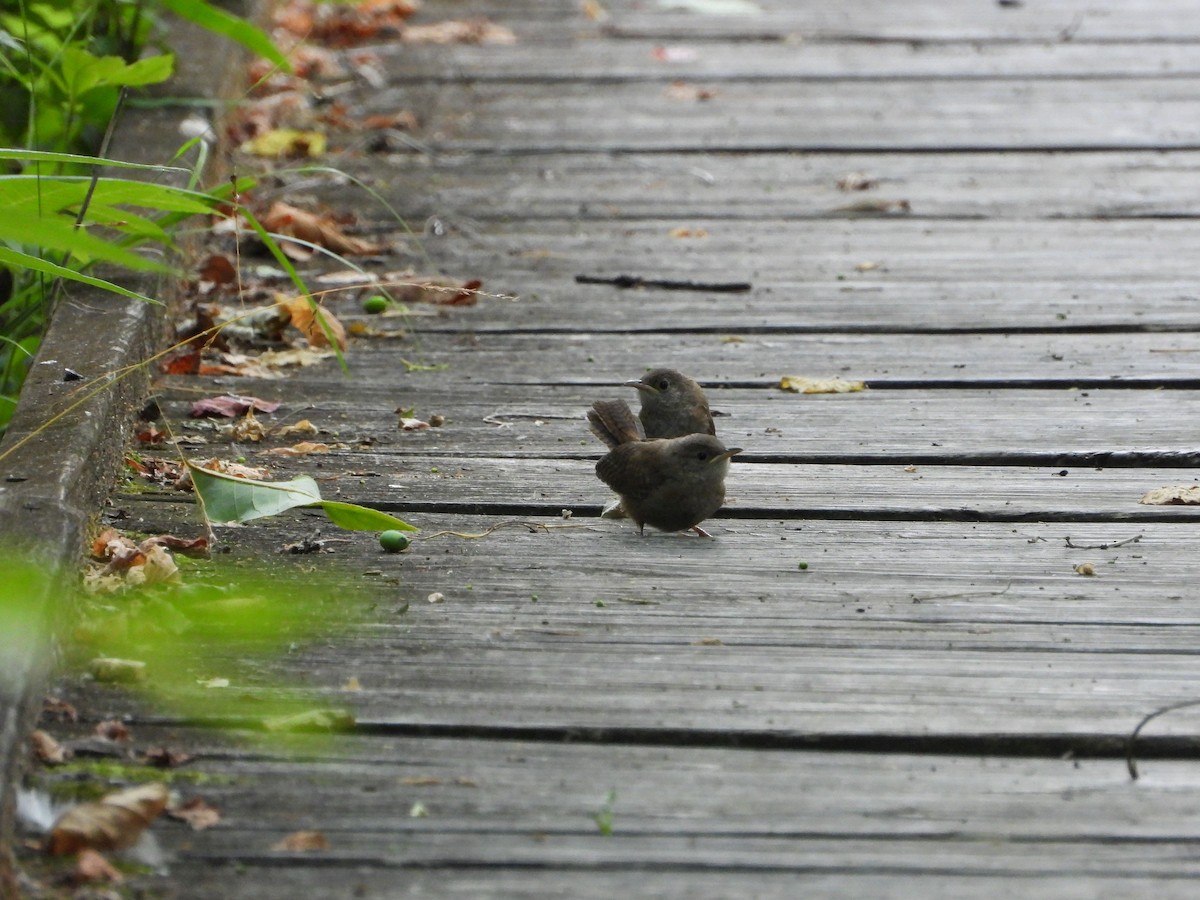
(408, 423)
(47, 749)
(436, 597)
(352, 684)
(323, 231)
(115, 821)
(459, 31)
(798, 384)
(1173, 495)
(286, 143)
(197, 813)
(685, 92)
(59, 709)
(230, 406)
(91, 866)
(112, 730)
(877, 208)
(317, 324)
(247, 429)
(166, 758)
(689, 233)
(856, 181)
(302, 842)
(1086, 568)
(304, 426)
(304, 448)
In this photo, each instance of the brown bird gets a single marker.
(672, 405)
(670, 484)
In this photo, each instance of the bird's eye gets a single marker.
(663, 384)
(702, 455)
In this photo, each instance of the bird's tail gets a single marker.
(614, 423)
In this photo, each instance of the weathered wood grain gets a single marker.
(593, 57)
(798, 492)
(883, 361)
(766, 187)
(940, 20)
(936, 115)
(516, 818)
(1058, 427)
(933, 631)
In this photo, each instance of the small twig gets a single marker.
(632, 281)
(1111, 546)
(1130, 762)
(917, 599)
(532, 526)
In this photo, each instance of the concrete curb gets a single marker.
(52, 485)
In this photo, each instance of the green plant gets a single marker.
(65, 66)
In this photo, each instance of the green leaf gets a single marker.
(22, 228)
(78, 159)
(230, 499)
(362, 518)
(220, 22)
(19, 260)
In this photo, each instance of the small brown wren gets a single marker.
(673, 405)
(671, 484)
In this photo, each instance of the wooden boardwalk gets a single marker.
(937, 705)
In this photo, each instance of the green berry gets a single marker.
(803, 565)
(394, 541)
(375, 304)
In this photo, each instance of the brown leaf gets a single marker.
(304, 448)
(91, 866)
(302, 842)
(184, 361)
(61, 710)
(304, 313)
(217, 269)
(197, 813)
(459, 31)
(229, 406)
(166, 758)
(197, 548)
(798, 384)
(114, 822)
(112, 730)
(47, 749)
(320, 230)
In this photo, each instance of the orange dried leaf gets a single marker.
(302, 842)
(47, 749)
(91, 866)
(323, 231)
(197, 813)
(111, 823)
(305, 312)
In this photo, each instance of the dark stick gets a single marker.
(631, 281)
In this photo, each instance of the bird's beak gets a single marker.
(641, 386)
(726, 455)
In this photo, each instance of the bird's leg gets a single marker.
(642, 529)
(700, 531)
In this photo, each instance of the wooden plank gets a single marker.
(930, 631)
(767, 187)
(599, 57)
(930, 20)
(1028, 427)
(936, 115)
(935, 275)
(781, 490)
(516, 818)
(759, 360)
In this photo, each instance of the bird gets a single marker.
(673, 405)
(671, 484)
